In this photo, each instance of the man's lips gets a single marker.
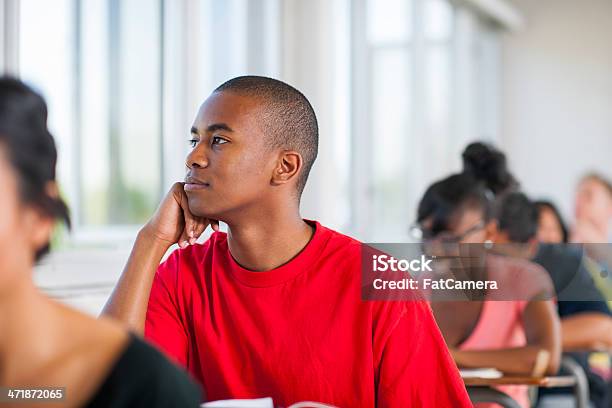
(192, 184)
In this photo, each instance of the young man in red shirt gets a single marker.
(273, 307)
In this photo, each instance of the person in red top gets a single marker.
(273, 307)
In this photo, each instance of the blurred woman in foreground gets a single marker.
(43, 343)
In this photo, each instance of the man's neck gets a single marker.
(267, 243)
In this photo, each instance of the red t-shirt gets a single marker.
(298, 332)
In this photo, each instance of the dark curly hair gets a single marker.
(487, 164)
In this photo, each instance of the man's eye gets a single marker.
(193, 142)
(218, 140)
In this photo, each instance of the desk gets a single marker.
(546, 382)
(480, 389)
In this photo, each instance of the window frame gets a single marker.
(9, 36)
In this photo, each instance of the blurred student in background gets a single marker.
(42, 343)
(571, 270)
(590, 325)
(593, 227)
(585, 317)
(593, 256)
(518, 335)
(567, 267)
(552, 229)
(593, 210)
(586, 323)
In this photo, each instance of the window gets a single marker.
(391, 49)
(123, 79)
(119, 170)
(423, 88)
(46, 56)
(412, 81)
(86, 57)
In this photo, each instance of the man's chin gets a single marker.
(200, 210)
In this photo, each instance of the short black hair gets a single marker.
(30, 148)
(517, 216)
(289, 119)
(444, 198)
(545, 204)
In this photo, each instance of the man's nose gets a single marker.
(197, 158)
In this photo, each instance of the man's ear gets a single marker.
(287, 167)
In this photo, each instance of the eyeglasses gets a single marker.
(418, 232)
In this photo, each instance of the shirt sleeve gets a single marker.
(416, 368)
(164, 326)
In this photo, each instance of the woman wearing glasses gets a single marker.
(86, 362)
(513, 330)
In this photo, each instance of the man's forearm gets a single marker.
(128, 302)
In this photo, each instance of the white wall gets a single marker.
(557, 95)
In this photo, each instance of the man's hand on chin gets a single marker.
(173, 222)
